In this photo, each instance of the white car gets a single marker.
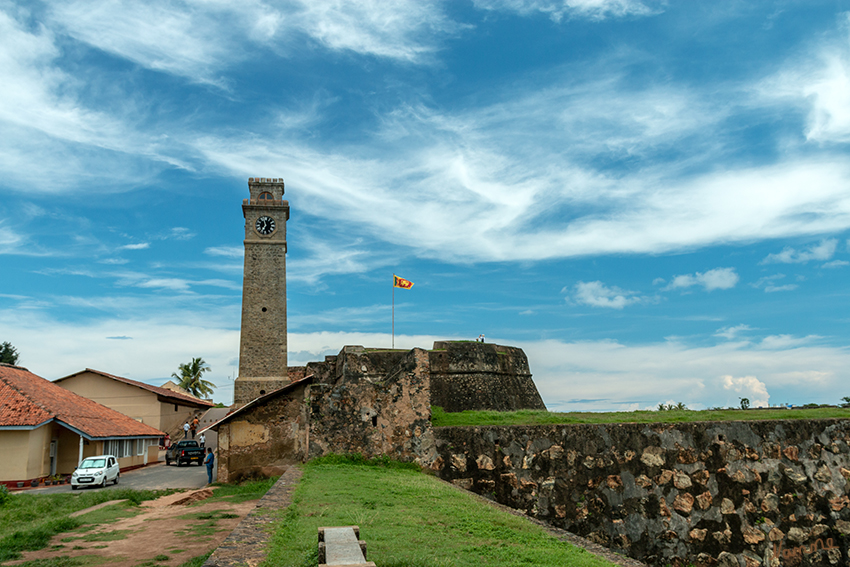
(95, 471)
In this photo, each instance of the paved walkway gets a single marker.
(246, 545)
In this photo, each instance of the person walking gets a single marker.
(202, 440)
(193, 427)
(186, 430)
(209, 461)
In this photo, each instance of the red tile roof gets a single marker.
(171, 395)
(29, 400)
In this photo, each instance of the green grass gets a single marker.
(113, 535)
(235, 493)
(197, 561)
(65, 561)
(28, 521)
(441, 418)
(409, 519)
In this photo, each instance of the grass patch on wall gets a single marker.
(441, 418)
(409, 519)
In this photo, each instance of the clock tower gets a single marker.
(262, 344)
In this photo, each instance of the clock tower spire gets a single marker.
(262, 344)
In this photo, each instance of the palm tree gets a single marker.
(190, 378)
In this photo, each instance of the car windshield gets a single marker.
(93, 464)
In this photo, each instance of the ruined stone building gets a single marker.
(364, 400)
(371, 401)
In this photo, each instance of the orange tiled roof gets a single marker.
(164, 392)
(28, 400)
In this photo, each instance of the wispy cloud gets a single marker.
(732, 332)
(718, 278)
(821, 251)
(770, 284)
(597, 294)
(139, 246)
(559, 9)
(226, 251)
(200, 40)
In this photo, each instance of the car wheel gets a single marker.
(74, 487)
(116, 478)
(103, 482)
(179, 463)
(167, 462)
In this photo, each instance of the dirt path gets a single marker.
(158, 530)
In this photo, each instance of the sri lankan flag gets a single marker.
(401, 282)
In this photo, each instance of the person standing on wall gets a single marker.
(209, 461)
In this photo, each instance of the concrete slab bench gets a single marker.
(341, 547)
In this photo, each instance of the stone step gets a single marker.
(341, 547)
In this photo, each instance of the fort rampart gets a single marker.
(731, 494)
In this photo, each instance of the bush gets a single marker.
(4, 494)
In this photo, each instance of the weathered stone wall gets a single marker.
(264, 439)
(372, 402)
(740, 494)
(467, 375)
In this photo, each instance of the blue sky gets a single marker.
(651, 198)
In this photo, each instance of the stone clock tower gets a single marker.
(262, 346)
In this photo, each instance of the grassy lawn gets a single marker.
(28, 521)
(409, 519)
(538, 417)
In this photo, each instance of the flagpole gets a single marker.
(393, 311)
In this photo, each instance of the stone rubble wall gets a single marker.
(373, 403)
(731, 494)
(468, 375)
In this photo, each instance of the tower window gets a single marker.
(264, 309)
(266, 195)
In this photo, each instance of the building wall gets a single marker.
(732, 494)
(38, 459)
(172, 421)
(265, 439)
(130, 400)
(15, 448)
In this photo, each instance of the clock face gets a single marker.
(265, 225)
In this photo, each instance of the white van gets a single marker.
(95, 471)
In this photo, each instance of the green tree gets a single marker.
(190, 378)
(745, 403)
(846, 400)
(8, 353)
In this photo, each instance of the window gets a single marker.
(140, 446)
(266, 195)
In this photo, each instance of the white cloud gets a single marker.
(749, 387)
(558, 9)
(226, 251)
(775, 288)
(732, 332)
(824, 250)
(818, 81)
(198, 40)
(770, 283)
(836, 264)
(597, 294)
(611, 375)
(139, 246)
(718, 278)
